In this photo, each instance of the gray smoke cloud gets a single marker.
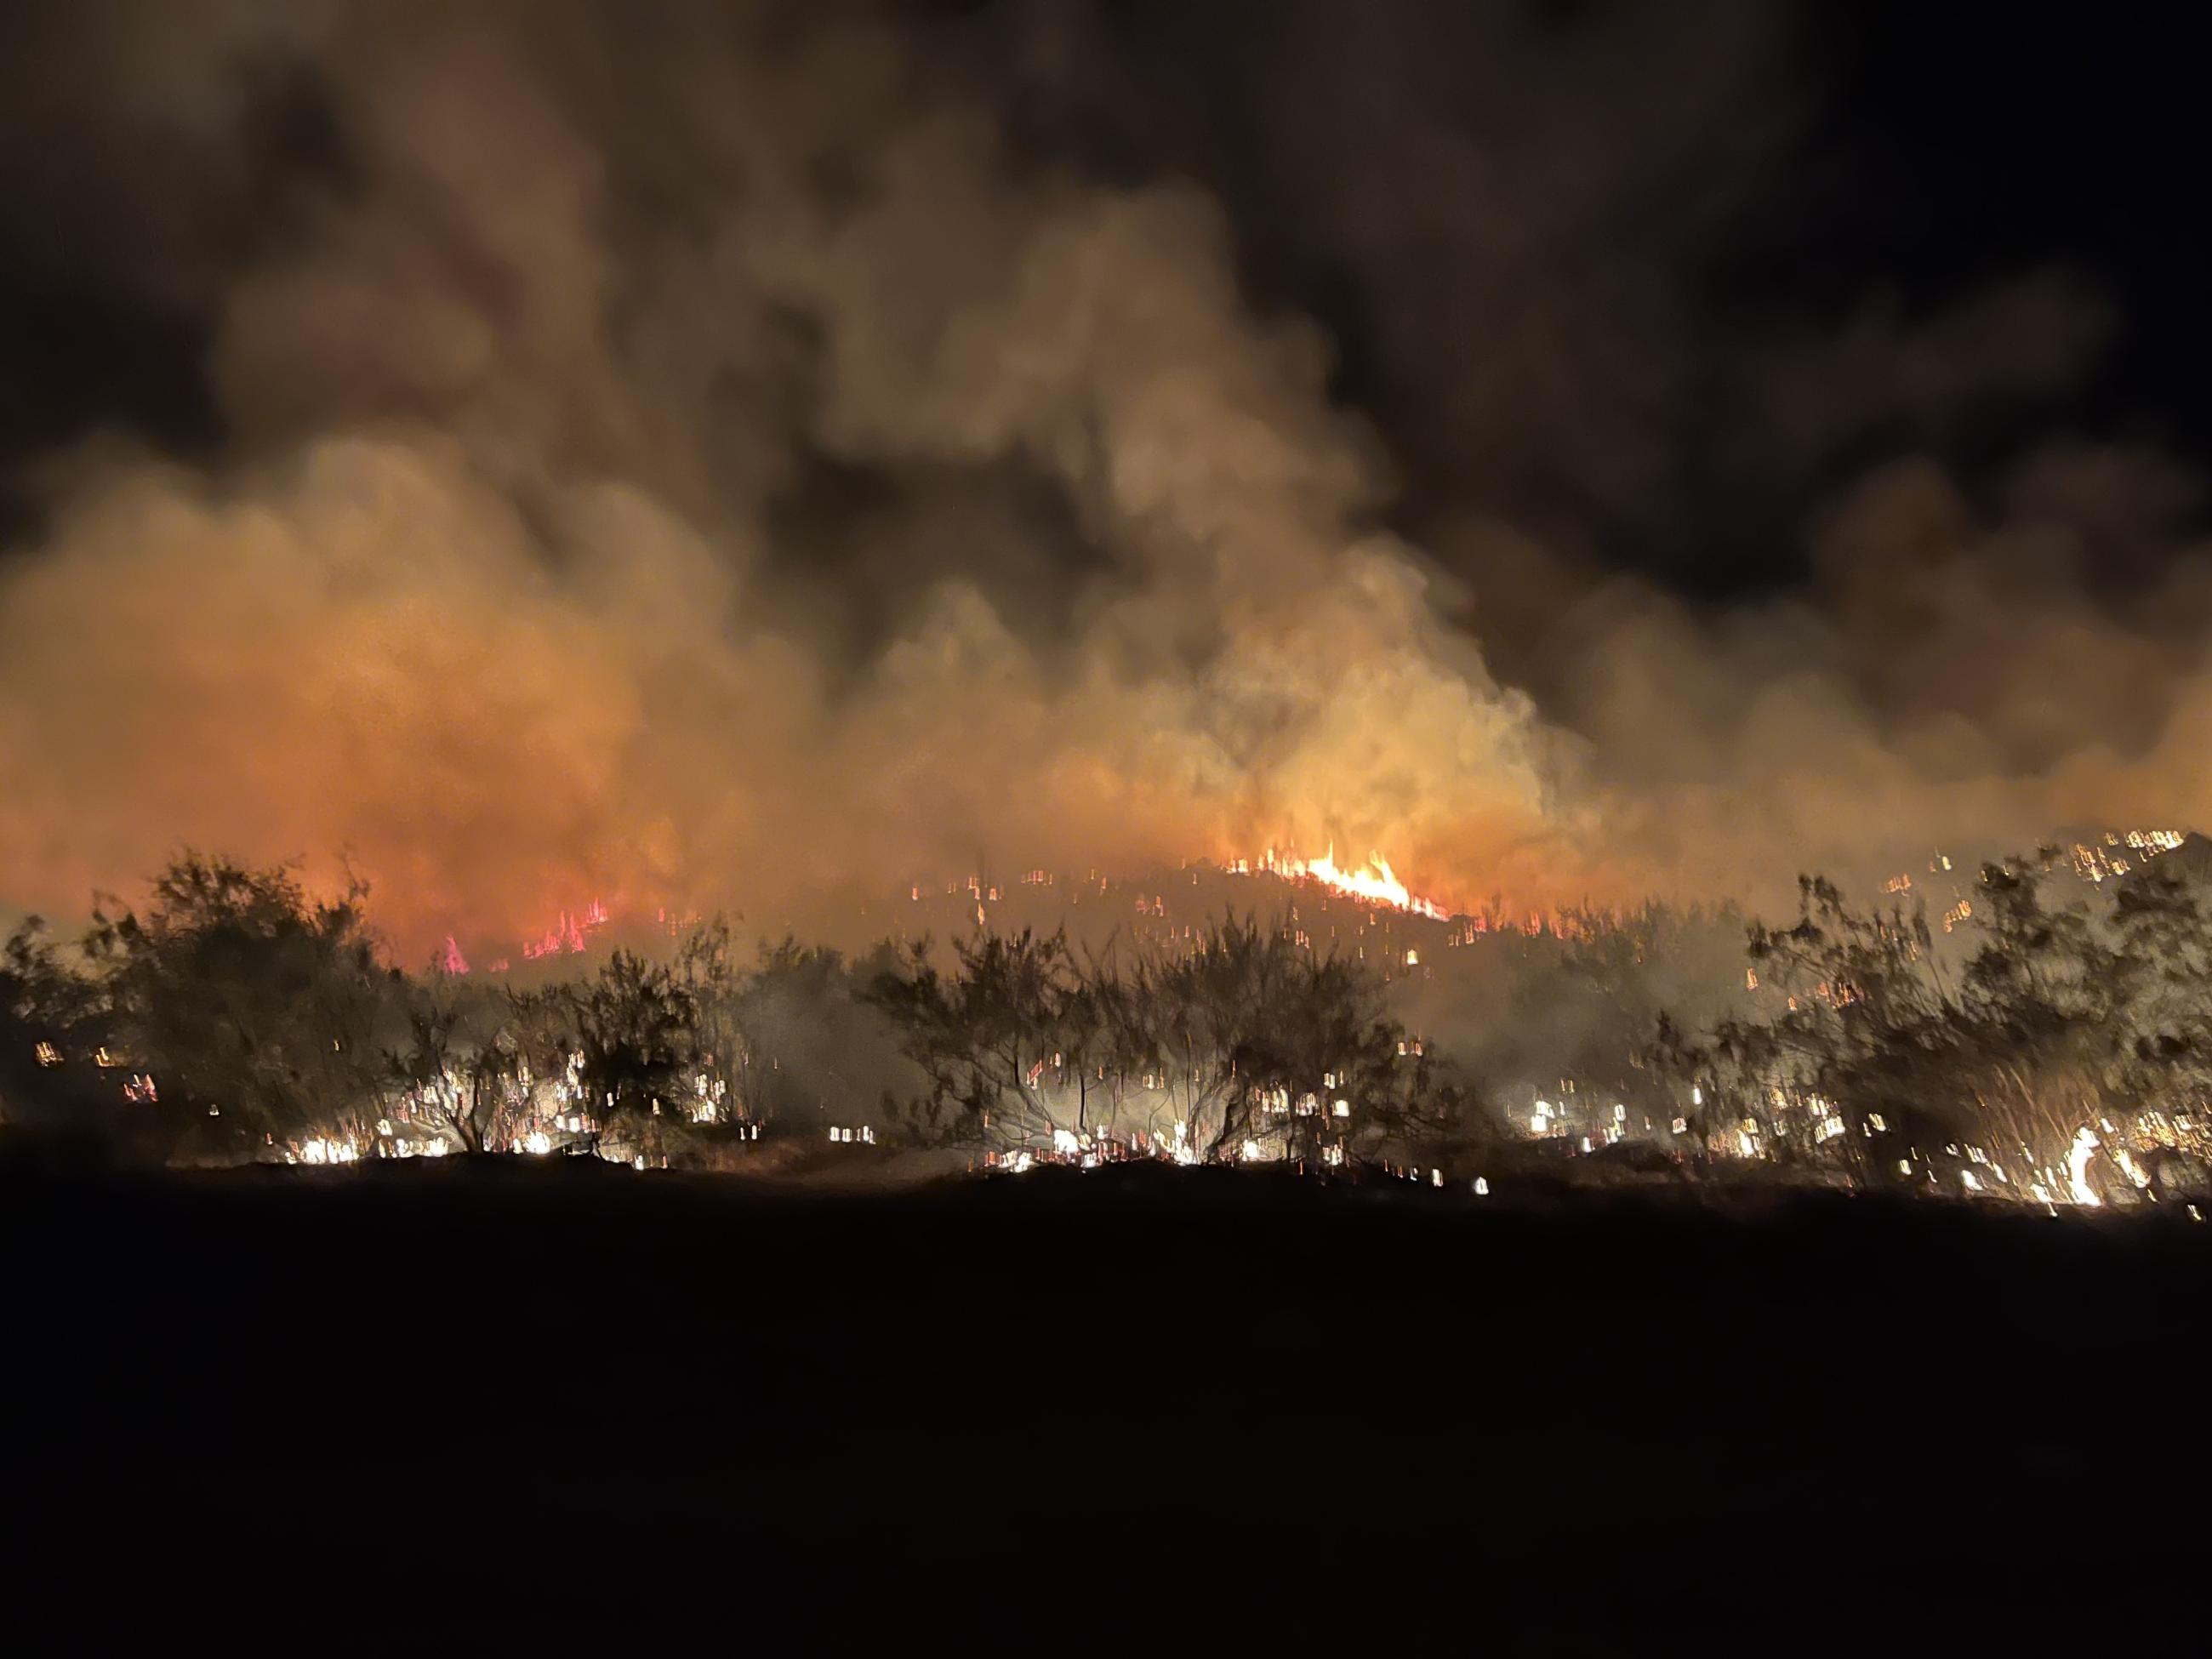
(692, 456)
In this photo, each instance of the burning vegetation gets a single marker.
(2053, 1049)
(1181, 617)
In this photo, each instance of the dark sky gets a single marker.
(1919, 154)
(1876, 149)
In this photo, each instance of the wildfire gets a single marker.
(569, 935)
(1373, 881)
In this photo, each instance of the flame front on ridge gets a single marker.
(1374, 880)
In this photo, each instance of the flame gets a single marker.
(1373, 881)
(569, 935)
(2078, 1167)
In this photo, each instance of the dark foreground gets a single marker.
(298, 1404)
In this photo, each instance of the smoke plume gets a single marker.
(702, 456)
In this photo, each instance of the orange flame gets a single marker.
(569, 935)
(1373, 881)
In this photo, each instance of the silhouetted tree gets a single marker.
(1253, 1033)
(811, 1043)
(634, 1029)
(460, 1068)
(54, 1026)
(2076, 1013)
(1246, 1034)
(248, 998)
(985, 1035)
(708, 972)
(2161, 960)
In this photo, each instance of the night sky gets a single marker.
(1918, 154)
